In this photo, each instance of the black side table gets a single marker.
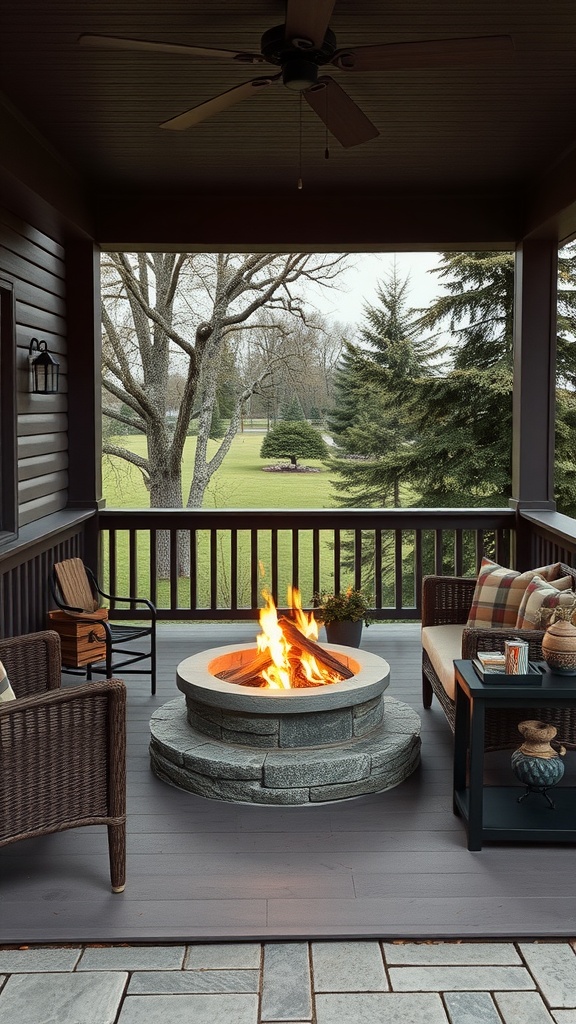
(493, 812)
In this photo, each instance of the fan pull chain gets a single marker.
(326, 150)
(300, 145)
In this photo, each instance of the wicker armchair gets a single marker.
(62, 751)
(446, 600)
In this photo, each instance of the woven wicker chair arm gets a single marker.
(33, 662)
(474, 640)
(446, 599)
(66, 695)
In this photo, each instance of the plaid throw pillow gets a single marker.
(499, 592)
(539, 595)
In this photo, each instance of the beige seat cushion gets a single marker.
(443, 644)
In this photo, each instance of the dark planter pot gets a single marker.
(346, 633)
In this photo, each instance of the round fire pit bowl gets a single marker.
(306, 745)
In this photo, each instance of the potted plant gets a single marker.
(344, 615)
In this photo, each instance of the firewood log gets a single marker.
(323, 657)
(247, 675)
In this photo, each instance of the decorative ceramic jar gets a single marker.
(559, 647)
(535, 762)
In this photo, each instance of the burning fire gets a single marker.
(290, 666)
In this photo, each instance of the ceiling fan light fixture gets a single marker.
(299, 74)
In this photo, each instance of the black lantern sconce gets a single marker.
(44, 369)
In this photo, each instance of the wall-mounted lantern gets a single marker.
(44, 369)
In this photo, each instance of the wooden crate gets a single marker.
(82, 642)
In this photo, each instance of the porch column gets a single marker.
(84, 374)
(534, 398)
(535, 332)
(84, 389)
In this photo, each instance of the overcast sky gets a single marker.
(358, 285)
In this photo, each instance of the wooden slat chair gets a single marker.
(62, 751)
(76, 591)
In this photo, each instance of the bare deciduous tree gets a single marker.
(166, 314)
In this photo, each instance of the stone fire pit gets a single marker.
(306, 745)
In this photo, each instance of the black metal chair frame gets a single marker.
(116, 633)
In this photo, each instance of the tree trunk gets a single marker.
(166, 492)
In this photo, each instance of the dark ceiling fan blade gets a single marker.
(342, 117)
(218, 103)
(308, 20)
(121, 43)
(431, 53)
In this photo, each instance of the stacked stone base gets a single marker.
(369, 763)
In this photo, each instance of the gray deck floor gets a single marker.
(393, 865)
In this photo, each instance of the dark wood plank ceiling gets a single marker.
(487, 128)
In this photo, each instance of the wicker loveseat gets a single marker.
(62, 751)
(446, 602)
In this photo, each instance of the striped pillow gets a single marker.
(499, 592)
(540, 595)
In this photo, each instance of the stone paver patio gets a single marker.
(360, 982)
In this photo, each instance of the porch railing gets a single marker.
(552, 537)
(386, 552)
(214, 564)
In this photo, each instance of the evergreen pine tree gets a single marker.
(462, 415)
(293, 410)
(293, 440)
(369, 425)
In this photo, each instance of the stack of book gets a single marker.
(491, 661)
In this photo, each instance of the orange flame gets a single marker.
(286, 671)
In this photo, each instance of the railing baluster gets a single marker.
(113, 581)
(173, 570)
(358, 559)
(132, 563)
(458, 553)
(418, 574)
(337, 553)
(254, 569)
(213, 569)
(315, 561)
(479, 548)
(377, 568)
(398, 573)
(233, 569)
(154, 567)
(295, 558)
(438, 552)
(193, 581)
(274, 568)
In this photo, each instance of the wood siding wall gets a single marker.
(24, 591)
(34, 263)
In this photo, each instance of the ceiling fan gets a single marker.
(300, 48)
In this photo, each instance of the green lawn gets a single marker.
(241, 481)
